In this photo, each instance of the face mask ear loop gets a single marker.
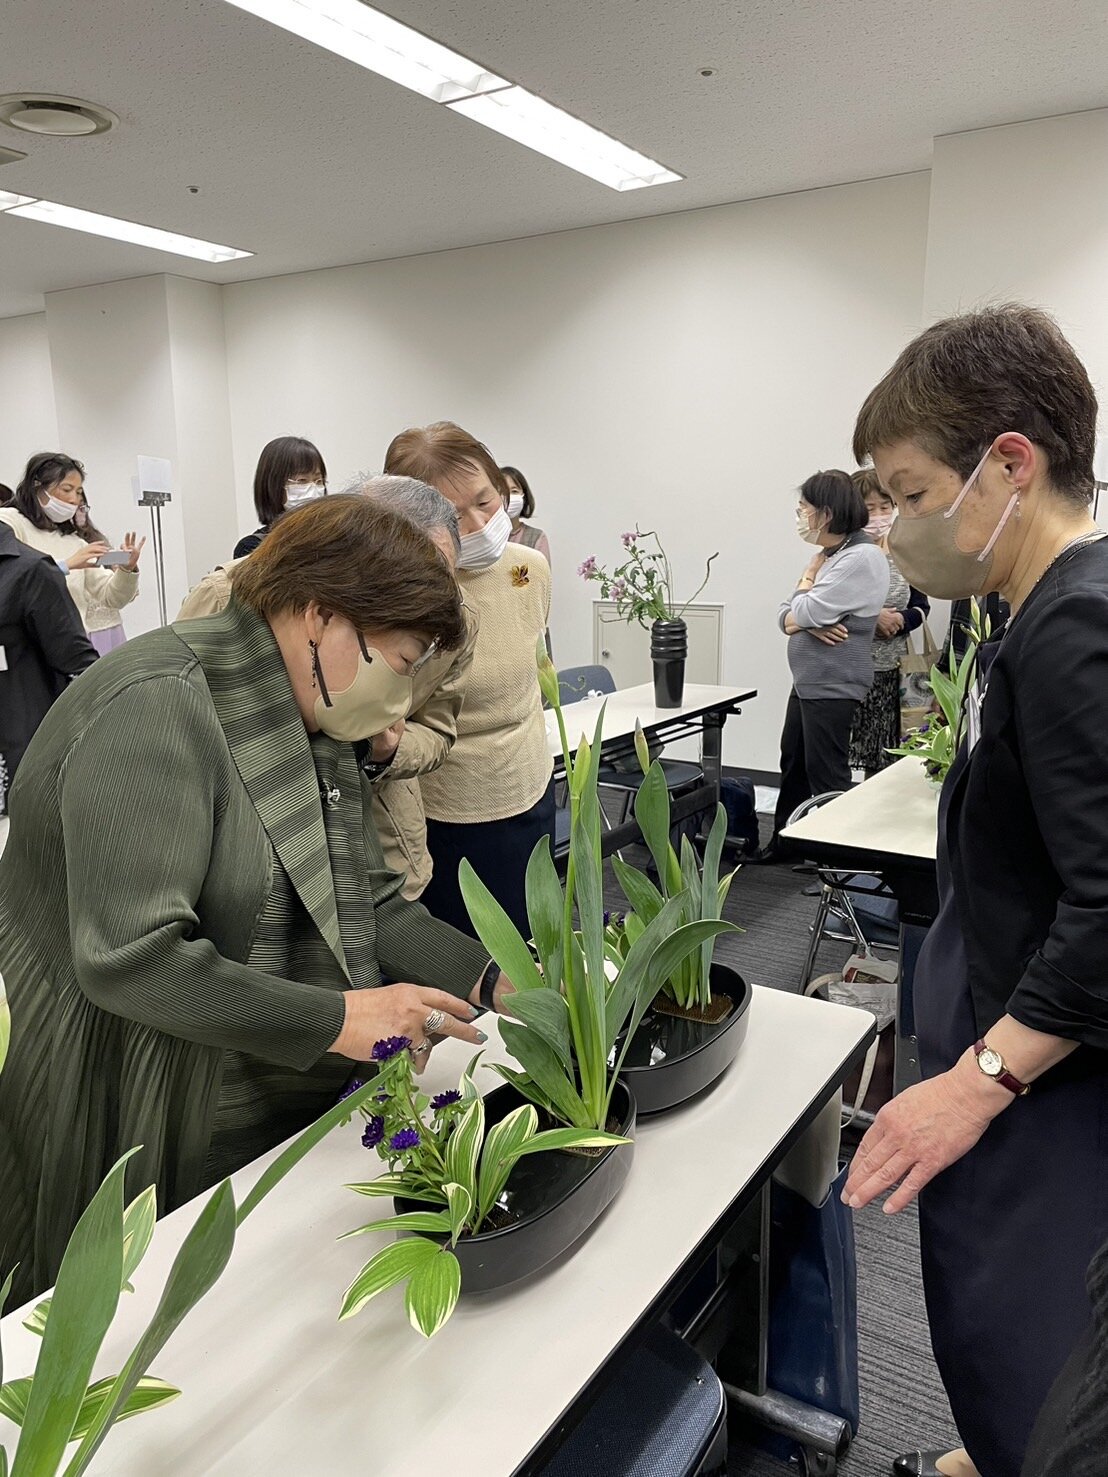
(1013, 504)
(970, 480)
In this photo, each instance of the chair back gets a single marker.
(576, 683)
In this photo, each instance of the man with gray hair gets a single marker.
(393, 761)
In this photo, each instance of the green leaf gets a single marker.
(466, 1084)
(13, 1400)
(198, 1265)
(391, 1265)
(432, 1292)
(503, 1146)
(539, 1062)
(526, 1088)
(497, 931)
(460, 1204)
(546, 1012)
(642, 748)
(435, 1221)
(291, 1156)
(83, 1306)
(626, 989)
(138, 1227)
(35, 1321)
(645, 899)
(711, 902)
(463, 1148)
(5, 1288)
(390, 1184)
(652, 811)
(545, 907)
(570, 1138)
(148, 1395)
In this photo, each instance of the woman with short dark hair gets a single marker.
(290, 472)
(829, 620)
(195, 918)
(521, 509)
(983, 431)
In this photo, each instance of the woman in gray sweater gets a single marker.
(829, 620)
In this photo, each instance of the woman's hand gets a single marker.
(815, 566)
(133, 546)
(402, 1010)
(86, 556)
(921, 1132)
(890, 623)
(831, 635)
(385, 745)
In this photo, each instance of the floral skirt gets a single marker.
(877, 726)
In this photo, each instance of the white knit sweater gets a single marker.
(99, 594)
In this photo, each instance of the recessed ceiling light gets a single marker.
(378, 42)
(58, 117)
(52, 214)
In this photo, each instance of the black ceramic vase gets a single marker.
(549, 1202)
(669, 649)
(672, 1058)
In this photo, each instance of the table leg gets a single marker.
(711, 751)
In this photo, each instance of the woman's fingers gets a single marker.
(910, 1187)
(879, 1176)
(457, 1017)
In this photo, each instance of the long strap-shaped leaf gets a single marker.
(81, 1311)
(204, 1253)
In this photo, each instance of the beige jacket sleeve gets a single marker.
(210, 596)
(432, 726)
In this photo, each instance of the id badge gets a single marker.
(975, 700)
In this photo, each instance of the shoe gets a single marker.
(768, 856)
(918, 1464)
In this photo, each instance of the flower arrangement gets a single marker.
(642, 586)
(57, 1405)
(700, 889)
(569, 1014)
(937, 739)
(438, 1152)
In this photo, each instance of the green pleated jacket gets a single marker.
(179, 914)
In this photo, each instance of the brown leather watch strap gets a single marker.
(1004, 1077)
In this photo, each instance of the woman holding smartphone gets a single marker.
(48, 503)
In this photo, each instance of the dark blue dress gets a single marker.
(1008, 1232)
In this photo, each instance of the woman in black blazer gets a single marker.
(983, 431)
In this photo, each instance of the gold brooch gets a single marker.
(521, 576)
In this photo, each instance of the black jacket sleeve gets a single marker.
(917, 609)
(1061, 713)
(54, 623)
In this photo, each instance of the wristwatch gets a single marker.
(992, 1064)
(487, 992)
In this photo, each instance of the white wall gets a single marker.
(28, 420)
(685, 372)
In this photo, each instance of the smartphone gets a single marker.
(113, 558)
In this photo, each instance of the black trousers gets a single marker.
(815, 751)
(498, 851)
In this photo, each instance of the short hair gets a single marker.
(44, 471)
(524, 486)
(966, 380)
(868, 484)
(417, 501)
(835, 493)
(280, 461)
(357, 559)
(439, 453)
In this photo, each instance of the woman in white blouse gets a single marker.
(42, 515)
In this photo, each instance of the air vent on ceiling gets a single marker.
(57, 117)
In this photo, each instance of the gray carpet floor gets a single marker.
(903, 1404)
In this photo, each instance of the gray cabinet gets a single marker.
(625, 649)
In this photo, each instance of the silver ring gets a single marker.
(435, 1022)
(420, 1049)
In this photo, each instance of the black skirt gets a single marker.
(877, 726)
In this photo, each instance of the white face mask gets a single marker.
(56, 510)
(482, 549)
(804, 527)
(297, 493)
(879, 525)
(515, 505)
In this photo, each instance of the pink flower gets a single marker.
(628, 539)
(619, 589)
(588, 569)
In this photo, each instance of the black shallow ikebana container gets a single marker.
(671, 1058)
(552, 1198)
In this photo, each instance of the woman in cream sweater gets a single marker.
(493, 798)
(42, 516)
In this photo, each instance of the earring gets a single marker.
(314, 649)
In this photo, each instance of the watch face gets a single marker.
(990, 1062)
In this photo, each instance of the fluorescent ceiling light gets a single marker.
(375, 40)
(53, 214)
(9, 202)
(530, 120)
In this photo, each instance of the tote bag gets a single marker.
(915, 680)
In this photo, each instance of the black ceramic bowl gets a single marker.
(551, 1199)
(671, 1058)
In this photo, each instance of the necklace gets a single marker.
(1063, 556)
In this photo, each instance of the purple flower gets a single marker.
(925, 725)
(627, 539)
(445, 1100)
(384, 1051)
(588, 569)
(619, 588)
(355, 1086)
(407, 1138)
(374, 1132)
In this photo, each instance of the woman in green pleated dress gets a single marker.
(195, 920)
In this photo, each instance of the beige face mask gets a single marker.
(377, 698)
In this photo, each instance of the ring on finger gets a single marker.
(421, 1048)
(435, 1022)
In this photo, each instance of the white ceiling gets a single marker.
(310, 161)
